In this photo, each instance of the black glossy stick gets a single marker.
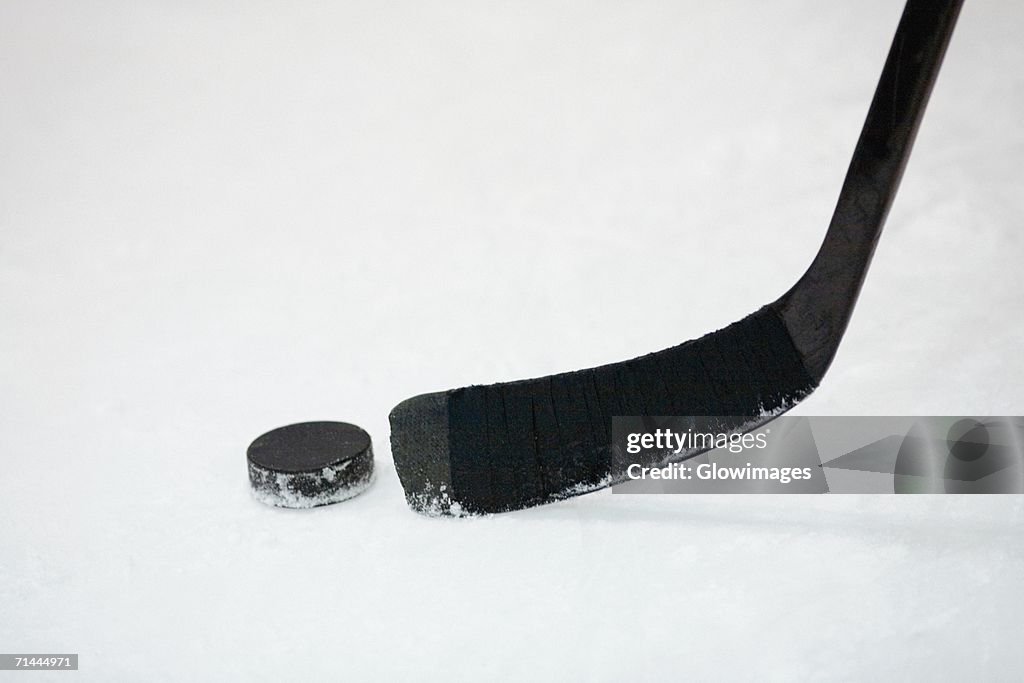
(512, 445)
(818, 308)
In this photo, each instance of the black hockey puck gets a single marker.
(310, 464)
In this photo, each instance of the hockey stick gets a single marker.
(512, 445)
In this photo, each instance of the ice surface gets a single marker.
(218, 218)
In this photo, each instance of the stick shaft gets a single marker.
(818, 308)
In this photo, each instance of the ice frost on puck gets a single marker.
(310, 464)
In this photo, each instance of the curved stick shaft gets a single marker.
(817, 309)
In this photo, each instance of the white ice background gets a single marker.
(220, 217)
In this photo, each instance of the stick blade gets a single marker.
(502, 447)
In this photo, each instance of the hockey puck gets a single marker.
(310, 464)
